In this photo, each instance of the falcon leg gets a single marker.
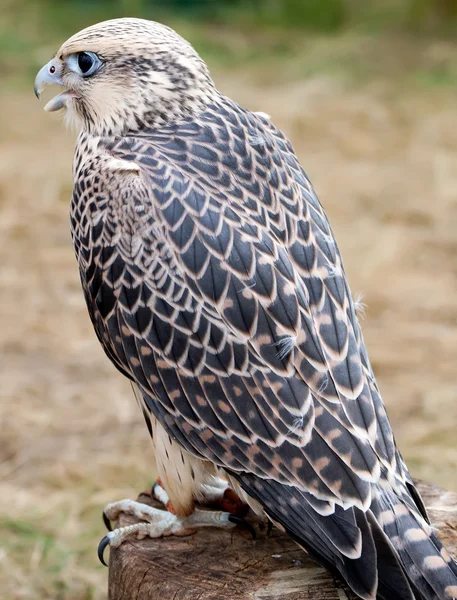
(217, 494)
(160, 523)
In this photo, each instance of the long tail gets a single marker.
(431, 571)
(388, 552)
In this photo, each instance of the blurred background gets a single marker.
(367, 93)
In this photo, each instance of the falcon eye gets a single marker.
(84, 63)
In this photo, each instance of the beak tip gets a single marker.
(46, 75)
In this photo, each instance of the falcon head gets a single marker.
(126, 74)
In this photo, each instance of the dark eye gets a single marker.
(85, 62)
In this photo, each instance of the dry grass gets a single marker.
(385, 166)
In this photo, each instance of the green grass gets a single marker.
(53, 551)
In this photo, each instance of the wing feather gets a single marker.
(214, 281)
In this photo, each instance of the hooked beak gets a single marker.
(48, 75)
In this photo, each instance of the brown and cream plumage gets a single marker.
(214, 283)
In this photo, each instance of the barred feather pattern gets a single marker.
(214, 282)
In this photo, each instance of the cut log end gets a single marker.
(220, 565)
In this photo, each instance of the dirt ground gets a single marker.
(385, 167)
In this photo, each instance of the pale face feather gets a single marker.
(148, 75)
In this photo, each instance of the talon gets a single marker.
(101, 549)
(107, 523)
(269, 528)
(243, 523)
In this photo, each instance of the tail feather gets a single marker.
(399, 557)
(360, 574)
(416, 497)
(428, 565)
(392, 579)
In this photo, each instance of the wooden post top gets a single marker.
(228, 565)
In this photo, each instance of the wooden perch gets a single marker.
(221, 565)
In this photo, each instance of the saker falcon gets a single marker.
(214, 283)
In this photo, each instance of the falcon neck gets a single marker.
(153, 115)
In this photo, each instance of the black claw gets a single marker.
(269, 527)
(244, 524)
(107, 523)
(101, 549)
(153, 490)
